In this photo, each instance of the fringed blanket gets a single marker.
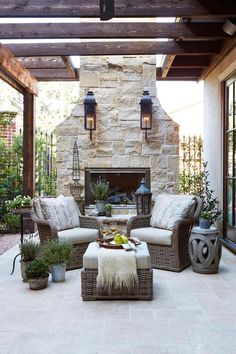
(116, 270)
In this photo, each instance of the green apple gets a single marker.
(118, 239)
(124, 239)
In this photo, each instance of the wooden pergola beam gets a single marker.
(196, 61)
(112, 30)
(123, 8)
(116, 48)
(14, 69)
(42, 62)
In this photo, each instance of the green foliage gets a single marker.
(210, 204)
(29, 250)
(6, 117)
(37, 269)
(18, 201)
(108, 207)
(100, 189)
(55, 252)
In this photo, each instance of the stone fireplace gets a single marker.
(118, 145)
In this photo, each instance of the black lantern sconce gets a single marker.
(90, 113)
(143, 199)
(146, 112)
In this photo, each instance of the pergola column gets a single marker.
(29, 145)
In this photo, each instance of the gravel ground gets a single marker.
(7, 241)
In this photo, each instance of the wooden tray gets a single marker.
(106, 243)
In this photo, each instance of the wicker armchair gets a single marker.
(174, 255)
(48, 231)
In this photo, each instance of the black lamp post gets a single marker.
(143, 199)
(90, 113)
(146, 112)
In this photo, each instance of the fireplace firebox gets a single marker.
(123, 182)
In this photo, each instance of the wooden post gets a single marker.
(29, 145)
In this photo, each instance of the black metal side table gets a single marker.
(22, 212)
(205, 250)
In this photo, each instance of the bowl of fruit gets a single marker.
(116, 242)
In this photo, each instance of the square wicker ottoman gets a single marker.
(143, 291)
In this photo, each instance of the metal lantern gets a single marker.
(107, 9)
(90, 113)
(146, 112)
(143, 199)
(76, 188)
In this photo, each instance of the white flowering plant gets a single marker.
(18, 202)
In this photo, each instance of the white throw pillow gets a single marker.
(62, 211)
(74, 212)
(169, 209)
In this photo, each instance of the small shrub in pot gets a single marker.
(37, 273)
(57, 255)
(29, 251)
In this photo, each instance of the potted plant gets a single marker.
(19, 202)
(37, 273)
(210, 205)
(29, 251)
(108, 208)
(100, 191)
(57, 255)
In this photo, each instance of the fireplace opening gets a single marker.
(123, 183)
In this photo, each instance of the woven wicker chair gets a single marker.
(173, 257)
(48, 231)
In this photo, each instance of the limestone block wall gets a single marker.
(118, 83)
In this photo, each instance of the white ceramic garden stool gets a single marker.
(205, 250)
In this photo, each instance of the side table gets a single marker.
(205, 250)
(23, 211)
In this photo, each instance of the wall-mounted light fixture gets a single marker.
(90, 113)
(107, 9)
(146, 112)
(229, 26)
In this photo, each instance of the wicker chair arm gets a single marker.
(181, 231)
(138, 221)
(90, 222)
(47, 230)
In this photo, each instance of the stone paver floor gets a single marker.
(190, 313)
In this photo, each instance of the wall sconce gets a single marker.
(107, 9)
(146, 112)
(90, 113)
(143, 199)
(229, 26)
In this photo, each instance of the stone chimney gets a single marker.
(118, 83)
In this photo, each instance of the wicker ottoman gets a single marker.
(143, 291)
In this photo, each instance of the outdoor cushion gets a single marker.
(38, 209)
(90, 258)
(73, 211)
(61, 211)
(153, 235)
(169, 209)
(78, 235)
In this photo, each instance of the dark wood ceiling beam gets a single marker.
(112, 30)
(42, 62)
(193, 74)
(196, 61)
(15, 70)
(69, 66)
(52, 75)
(116, 48)
(123, 8)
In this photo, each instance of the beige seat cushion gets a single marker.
(169, 209)
(90, 258)
(153, 235)
(78, 235)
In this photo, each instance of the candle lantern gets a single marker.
(143, 199)
(90, 113)
(146, 112)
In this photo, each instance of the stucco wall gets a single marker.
(213, 121)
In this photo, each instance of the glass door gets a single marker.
(230, 162)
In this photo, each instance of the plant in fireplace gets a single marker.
(100, 192)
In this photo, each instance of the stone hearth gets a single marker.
(118, 142)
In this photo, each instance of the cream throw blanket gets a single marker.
(116, 270)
